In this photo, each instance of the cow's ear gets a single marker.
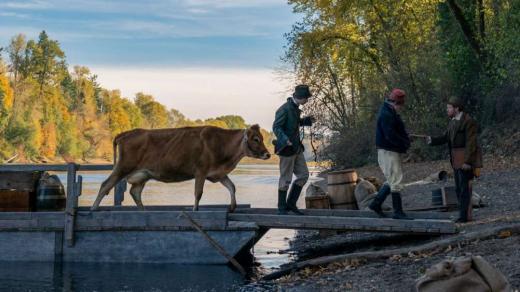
(255, 127)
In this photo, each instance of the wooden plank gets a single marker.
(216, 207)
(119, 193)
(346, 223)
(58, 246)
(109, 220)
(148, 219)
(54, 167)
(15, 215)
(344, 213)
(72, 204)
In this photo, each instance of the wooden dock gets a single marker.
(170, 234)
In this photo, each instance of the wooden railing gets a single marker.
(74, 186)
(71, 169)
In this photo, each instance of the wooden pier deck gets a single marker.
(171, 234)
(347, 220)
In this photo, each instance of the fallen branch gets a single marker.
(12, 158)
(434, 245)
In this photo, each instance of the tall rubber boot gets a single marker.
(398, 207)
(294, 194)
(376, 204)
(282, 204)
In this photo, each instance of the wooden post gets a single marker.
(119, 192)
(215, 244)
(72, 203)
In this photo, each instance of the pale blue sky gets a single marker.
(203, 57)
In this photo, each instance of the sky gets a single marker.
(205, 58)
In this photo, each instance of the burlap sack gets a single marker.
(317, 188)
(365, 192)
(463, 274)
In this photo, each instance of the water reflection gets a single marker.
(116, 277)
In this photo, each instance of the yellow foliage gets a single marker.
(37, 137)
(49, 146)
(6, 93)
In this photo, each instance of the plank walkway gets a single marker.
(345, 220)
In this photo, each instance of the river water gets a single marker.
(256, 185)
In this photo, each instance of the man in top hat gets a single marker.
(290, 149)
(392, 142)
(465, 154)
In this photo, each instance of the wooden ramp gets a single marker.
(346, 220)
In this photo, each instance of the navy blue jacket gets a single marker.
(391, 134)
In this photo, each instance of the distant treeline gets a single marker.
(49, 112)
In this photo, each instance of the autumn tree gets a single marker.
(154, 113)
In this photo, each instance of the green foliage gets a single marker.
(154, 113)
(354, 52)
(232, 122)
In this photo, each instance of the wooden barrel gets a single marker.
(317, 202)
(341, 186)
(50, 194)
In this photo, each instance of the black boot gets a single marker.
(294, 194)
(379, 199)
(282, 205)
(398, 207)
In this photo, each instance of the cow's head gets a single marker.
(255, 144)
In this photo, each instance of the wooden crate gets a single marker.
(18, 190)
(317, 202)
(16, 201)
(449, 196)
(19, 180)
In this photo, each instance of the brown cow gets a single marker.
(174, 155)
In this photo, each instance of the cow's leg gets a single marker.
(136, 191)
(226, 181)
(105, 188)
(138, 179)
(199, 188)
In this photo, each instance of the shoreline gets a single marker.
(500, 194)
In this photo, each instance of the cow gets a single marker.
(180, 154)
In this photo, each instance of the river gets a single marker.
(256, 185)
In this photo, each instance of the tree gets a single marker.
(6, 102)
(233, 122)
(46, 62)
(16, 51)
(154, 113)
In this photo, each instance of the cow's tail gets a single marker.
(114, 145)
(119, 137)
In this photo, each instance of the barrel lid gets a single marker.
(342, 171)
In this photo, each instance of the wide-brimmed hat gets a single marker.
(302, 91)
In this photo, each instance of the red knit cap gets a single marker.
(397, 95)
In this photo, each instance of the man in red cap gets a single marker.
(392, 142)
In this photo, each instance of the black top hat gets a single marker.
(302, 91)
